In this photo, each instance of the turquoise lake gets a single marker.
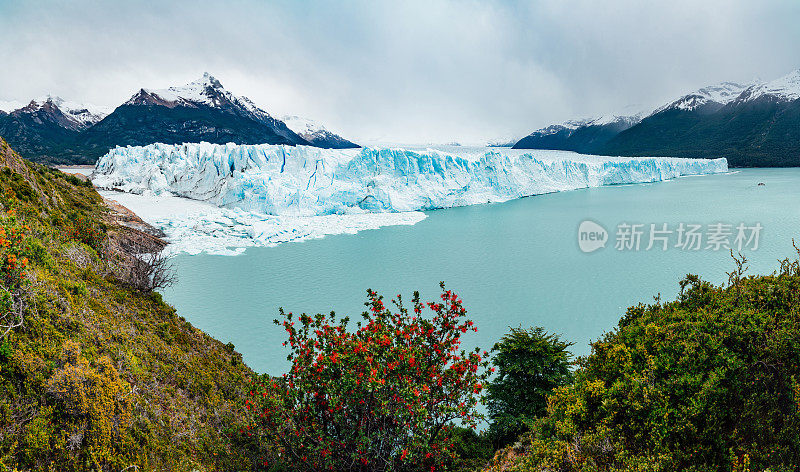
(514, 264)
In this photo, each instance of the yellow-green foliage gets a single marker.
(97, 401)
(101, 377)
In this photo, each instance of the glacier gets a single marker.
(308, 181)
(266, 194)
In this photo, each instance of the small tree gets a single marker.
(144, 266)
(530, 364)
(381, 397)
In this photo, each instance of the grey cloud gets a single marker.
(413, 71)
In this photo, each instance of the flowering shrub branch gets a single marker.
(86, 231)
(12, 275)
(380, 397)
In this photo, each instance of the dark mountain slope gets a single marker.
(756, 125)
(54, 131)
(39, 131)
(760, 132)
(585, 136)
(139, 125)
(199, 111)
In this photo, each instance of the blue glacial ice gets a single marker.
(308, 181)
(237, 196)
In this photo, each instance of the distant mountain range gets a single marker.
(54, 131)
(751, 125)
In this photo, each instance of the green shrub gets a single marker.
(709, 382)
(37, 252)
(530, 364)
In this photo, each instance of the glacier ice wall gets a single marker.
(306, 181)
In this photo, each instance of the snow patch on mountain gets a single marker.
(82, 115)
(206, 90)
(307, 129)
(569, 127)
(199, 91)
(302, 126)
(786, 88)
(609, 119)
(10, 105)
(722, 93)
(315, 133)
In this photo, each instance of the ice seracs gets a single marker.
(306, 181)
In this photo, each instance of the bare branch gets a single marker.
(145, 268)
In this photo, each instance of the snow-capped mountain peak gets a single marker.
(722, 93)
(71, 114)
(8, 106)
(206, 91)
(315, 133)
(786, 88)
(302, 125)
(84, 113)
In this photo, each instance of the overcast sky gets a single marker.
(406, 71)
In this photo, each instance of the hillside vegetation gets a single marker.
(708, 382)
(98, 374)
(93, 375)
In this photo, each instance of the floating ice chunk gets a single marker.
(194, 227)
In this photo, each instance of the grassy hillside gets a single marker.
(98, 376)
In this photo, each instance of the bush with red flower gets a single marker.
(87, 231)
(13, 235)
(380, 397)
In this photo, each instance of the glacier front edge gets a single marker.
(308, 181)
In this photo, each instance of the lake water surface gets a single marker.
(514, 264)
